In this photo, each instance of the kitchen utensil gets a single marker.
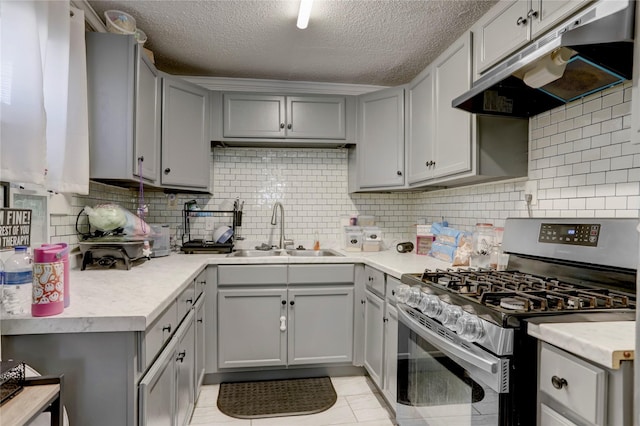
(222, 234)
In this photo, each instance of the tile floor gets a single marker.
(358, 403)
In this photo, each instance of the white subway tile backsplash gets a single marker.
(592, 130)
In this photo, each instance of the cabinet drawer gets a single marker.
(186, 301)
(159, 333)
(201, 283)
(581, 385)
(390, 287)
(254, 275)
(374, 280)
(321, 274)
(549, 417)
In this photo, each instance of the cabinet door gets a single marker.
(550, 12)
(373, 336)
(157, 390)
(500, 32)
(374, 280)
(420, 127)
(185, 356)
(310, 117)
(381, 138)
(550, 417)
(200, 345)
(147, 127)
(320, 325)
(249, 327)
(390, 385)
(452, 71)
(185, 134)
(253, 116)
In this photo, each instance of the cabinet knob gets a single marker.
(284, 302)
(202, 282)
(385, 319)
(370, 279)
(399, 173)
(558, 382)
(189, 301)
(167, 171)
(532, 14)
(521, 21)
(362, 302)
(167, 328)
(393, 292)
(292, 303)
(282, 125)
(289, 126)
(199, 320)
(141, 158)
(181, 356)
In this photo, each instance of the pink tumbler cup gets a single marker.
(48, 282)
(63, 254)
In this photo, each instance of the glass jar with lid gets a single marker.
(483, 241)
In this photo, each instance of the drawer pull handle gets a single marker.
(558, 382)
(203, 283)
(181, 356)
(362, 302)
(199, 320)
(189, 301)
(167, 328)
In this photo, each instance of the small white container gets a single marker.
(372, 233)
(353, 238)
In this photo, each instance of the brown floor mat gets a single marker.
(275, 398)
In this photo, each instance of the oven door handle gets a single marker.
(488, 365)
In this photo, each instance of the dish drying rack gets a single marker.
(201, 245)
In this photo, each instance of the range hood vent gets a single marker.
(590, 52)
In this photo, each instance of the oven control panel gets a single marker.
(583, 234)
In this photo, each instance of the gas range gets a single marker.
(466, 329)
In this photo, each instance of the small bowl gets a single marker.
(222, 234)
(140, 36)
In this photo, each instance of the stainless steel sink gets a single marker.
(312, 253)
(257, 253)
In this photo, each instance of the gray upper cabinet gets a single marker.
(278, 117)
(439, 136)
(185, 134)
(511, 24)
(380, 149)
(420, 127)
(124, 109)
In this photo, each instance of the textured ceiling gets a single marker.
(348, 41)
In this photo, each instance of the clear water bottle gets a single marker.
(18, 282)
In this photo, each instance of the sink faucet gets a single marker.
(283, 241)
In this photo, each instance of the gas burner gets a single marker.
(514, 303)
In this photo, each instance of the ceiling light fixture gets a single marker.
(304, 13)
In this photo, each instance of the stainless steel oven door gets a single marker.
(443, 380)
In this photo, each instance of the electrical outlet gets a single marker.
(171, 200)
(531, 187)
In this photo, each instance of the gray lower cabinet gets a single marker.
(252, 326)
(286, 315)
(320, 325)
(390, 382)
(200, 350)
(374, 336)
(166, 395)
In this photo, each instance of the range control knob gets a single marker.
(469, 327)
(450, 315)
(433, 306)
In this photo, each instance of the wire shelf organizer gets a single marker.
(202, 243)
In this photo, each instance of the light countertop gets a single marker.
(605, 343)
(121, 300)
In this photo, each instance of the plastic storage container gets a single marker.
(365, 220)
(353, 238)
(18, 282)
(372, 239)
(48, 281)
(483, 241)
(160, 239)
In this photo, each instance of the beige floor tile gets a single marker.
(333, 416)
(358, 402)
(368, 414)
(353, 385)
(387, 422)
(212, 416)
(208, 396)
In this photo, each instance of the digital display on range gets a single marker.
(584, 234)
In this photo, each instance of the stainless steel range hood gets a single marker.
(588, 53)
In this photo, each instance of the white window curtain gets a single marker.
(44, 136)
